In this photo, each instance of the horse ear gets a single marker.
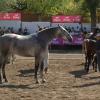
(38, 26)
(58, 25)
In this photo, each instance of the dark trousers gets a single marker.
(98, 59)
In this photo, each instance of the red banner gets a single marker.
(67, 19)
(10, 16)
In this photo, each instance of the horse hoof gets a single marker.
(46, 69)
(37, 82)
(0, 82)
(87, 71)
(44, 81)
(95, 70)
(6, 81)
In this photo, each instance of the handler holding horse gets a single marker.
(89, 46)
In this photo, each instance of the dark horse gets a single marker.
(90, 54)
(33, 45)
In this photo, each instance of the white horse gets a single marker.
(29, 46)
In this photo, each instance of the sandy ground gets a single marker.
(66, 80)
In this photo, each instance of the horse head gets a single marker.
(64, 32)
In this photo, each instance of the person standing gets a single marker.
(98, 47)
(25, 31)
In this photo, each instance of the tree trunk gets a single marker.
(93, 18)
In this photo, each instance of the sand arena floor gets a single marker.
(66, 80)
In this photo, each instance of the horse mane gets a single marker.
(44, 29)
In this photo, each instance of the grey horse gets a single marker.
(33, 45)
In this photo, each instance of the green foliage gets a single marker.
(43, 7)
(50, 7)
(18, 5)
(4, 6)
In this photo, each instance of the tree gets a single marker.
(53, 7)
(43, 7)
(18, 5)
(91, 7)
(4, 6)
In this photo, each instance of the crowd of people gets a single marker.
(11, 30)
(76, 30)
(72, 30)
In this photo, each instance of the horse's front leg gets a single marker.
(46, 62)
(36, 70)
(46, 65)
(86, 61)
(42, 72)
(86, 66)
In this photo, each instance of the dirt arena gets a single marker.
(66, 80)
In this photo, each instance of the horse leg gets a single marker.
(3, 71)
(86, 62)
(42, 72)
(95, 63)
(36, 69)
(46, 65)
(46, 61)
(0, 73)
(1, 65)
(13, 58)
(89, 62)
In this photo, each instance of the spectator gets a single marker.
(8, 30)
(12, 30)
(1, 31)
(20, 32)
(4, 30)
(25, 31)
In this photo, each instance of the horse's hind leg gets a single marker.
(3, 71)
(0, 73)
(1, 64)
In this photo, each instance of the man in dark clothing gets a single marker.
(94, 37)
(98, 47)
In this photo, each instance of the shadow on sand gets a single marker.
(78, 73)
(87, 85)
(26, 72)
(13, 86)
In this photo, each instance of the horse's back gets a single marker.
(17, 43)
